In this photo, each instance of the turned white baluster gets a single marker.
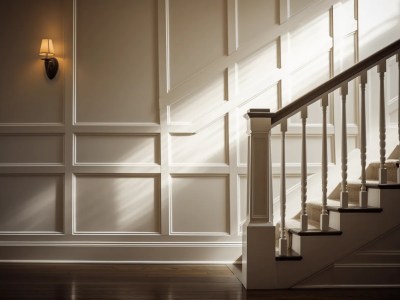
(304, 216)
(363, 200)
(283, 245)
(382, 123)
(324, 218)
(344, 195)
(398, 111)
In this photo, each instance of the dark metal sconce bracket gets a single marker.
(51, 66)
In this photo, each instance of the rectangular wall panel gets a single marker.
(117, 61)
(197, 36)
(296, 6)
(254, 71)
(31, 149)
(256, 17)
(117, 149)
(200, 102)
(209, 146)
(31, 203)
(117, 204)
(309, 41)
(310, 76)
(199, 204)
(242, 203)
(27, 95)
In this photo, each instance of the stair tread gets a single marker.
(315, 232)
(292, 255)
(355, 209)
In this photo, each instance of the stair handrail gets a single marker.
(335, 82)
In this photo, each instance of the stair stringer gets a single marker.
(376, 264)
(358, 229)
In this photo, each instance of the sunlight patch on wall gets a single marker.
(208, 146)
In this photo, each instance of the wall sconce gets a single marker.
(47, 54)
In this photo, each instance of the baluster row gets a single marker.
(344, 194)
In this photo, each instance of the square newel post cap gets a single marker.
(258, 120)
(258, 113)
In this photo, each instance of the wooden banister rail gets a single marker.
(335, 82)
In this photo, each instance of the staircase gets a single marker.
(338, 222)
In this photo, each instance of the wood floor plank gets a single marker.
(124, 281)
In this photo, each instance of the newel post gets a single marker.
(258, 257)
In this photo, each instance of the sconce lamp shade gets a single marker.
(47, 54)
(46, 48)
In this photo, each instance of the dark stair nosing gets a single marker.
(315, 232)
(386, 186)
(355, 209)
(292, 255)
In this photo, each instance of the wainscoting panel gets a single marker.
(137, 150)
(242, 199)
(255, 71)
(254, 18)
(309, 76)
(31, 204)
(117, 149)
(209, 146)
(27, 95)
(197, 36)
(202, 101)
(112, 204)
(116, 64)
(309, 41)
(199, 204)
(32, 149)
(296, 6)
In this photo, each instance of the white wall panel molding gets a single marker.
(104, 92)
(289, 8)
(122, 204)
(116, 129)
(31, 204)
(204, 100)
(195, 198)
(233, 20)
(32, 169)
(31, 149)
(118, 170)
(206, 21)
(31, 128)
(202, 77)
(116, 149)
(200, 169)
(164, 75)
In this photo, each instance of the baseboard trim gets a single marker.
(162, 253)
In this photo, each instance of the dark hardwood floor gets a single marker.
(114, 281)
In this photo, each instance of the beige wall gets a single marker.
(137, 149)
